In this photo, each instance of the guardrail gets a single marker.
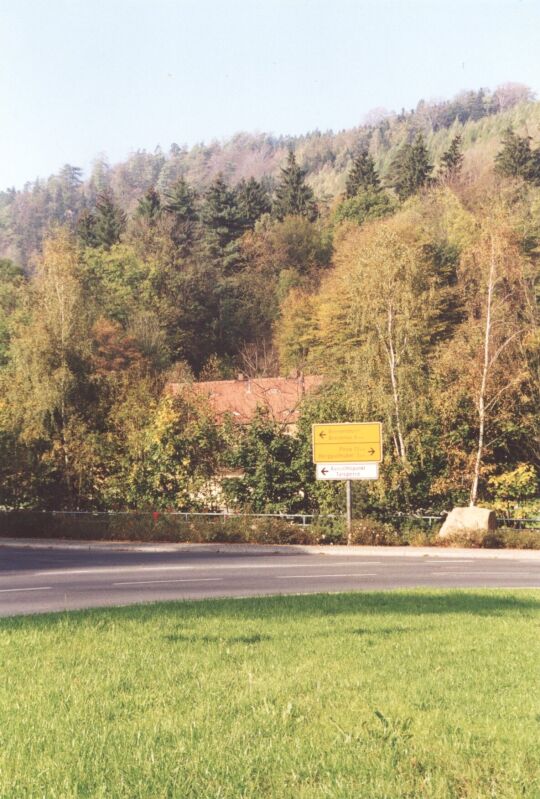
(520, 524)
(530, 523)
(301, 518)
(304, 519)
(430, 518)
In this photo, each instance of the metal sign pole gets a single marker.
(349, 509)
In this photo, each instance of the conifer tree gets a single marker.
(452, 159)
(220, 214)
(110, 221)
(181, 205)
(253, 201)
(516, 159)
(363, 175)
(180, 200)
(293, 196)
(411, 169)
(149, 207)
(68, 195)
(221, 221)
(86, 224)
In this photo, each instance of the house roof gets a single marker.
(241, 398)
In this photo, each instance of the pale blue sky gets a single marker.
(83, 77)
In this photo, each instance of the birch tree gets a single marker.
(484, 365)
(504, 323)
(47, 378)
(374, 322)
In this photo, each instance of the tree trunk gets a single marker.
(392, 362)
(483, 382)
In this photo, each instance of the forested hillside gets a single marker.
(400, 260)
(480, 117)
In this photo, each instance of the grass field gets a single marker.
(364, 696)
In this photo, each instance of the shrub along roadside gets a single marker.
(245, 529)
(502, 538)
(170, 528)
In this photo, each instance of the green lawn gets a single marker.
(364, 696)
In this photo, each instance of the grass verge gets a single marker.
(383, 696)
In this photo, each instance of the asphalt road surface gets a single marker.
(41, 580)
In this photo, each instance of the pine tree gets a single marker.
(181, 205)
(293, 196)
(420, 167)
(253, 201)
(110, 221)
(516, 158)
(100, 178)
(86, 229)
(452, 159)
(220, 216)
(180, 200)
(363, 175)
(411, 169)
(149, 207)
(69, 182)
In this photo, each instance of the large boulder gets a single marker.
(467, 520)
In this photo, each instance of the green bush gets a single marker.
(412, 527)
(422, 538)
(329, 531)
(502, 538)
(514, 487)
(375, 533)
(149, 527)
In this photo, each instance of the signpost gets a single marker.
(347, 451)
(347, 443)
(347, 471)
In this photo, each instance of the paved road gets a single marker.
(40, 580)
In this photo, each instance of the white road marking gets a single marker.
(111, 569)
(305, 576)
(184, 580)
(498, 573)
(12, 590)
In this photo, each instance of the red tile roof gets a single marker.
(241, 398)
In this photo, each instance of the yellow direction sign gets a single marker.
(347, 442)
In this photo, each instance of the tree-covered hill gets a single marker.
(479, 117)
(400, 261)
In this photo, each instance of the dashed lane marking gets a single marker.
(305, 576)
(489, 573)
(183, 580)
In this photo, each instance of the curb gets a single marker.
(271, 549)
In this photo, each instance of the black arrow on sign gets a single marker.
(322, 434)
(324, 471)
(371, 451)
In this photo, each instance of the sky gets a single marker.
(82, 78)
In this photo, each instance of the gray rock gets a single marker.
(464, 520)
